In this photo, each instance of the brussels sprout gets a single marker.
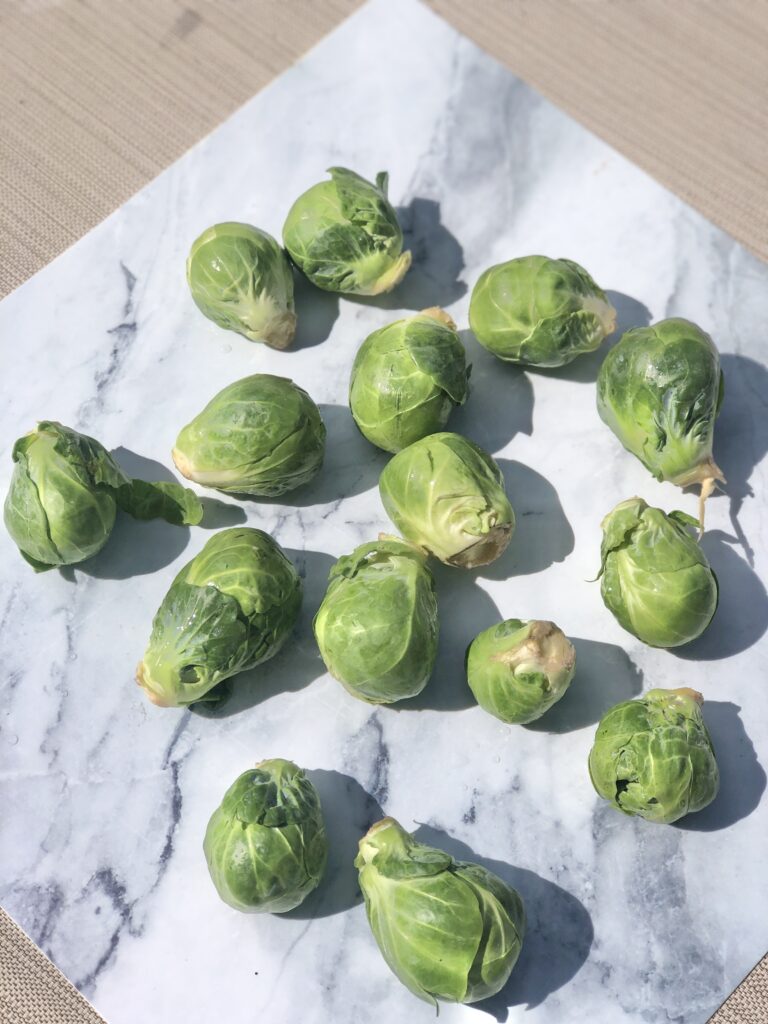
(406, 378)
(654, 756)
(265, 845)
(344, 235)
(655, 578)
(449, 930)
(539, 312)
(377, 626)
(65, 492)
(446, 494)
(231, 608)
(241, 279)
(262, 435)
(518, 670)
(659, 390)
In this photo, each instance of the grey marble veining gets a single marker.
(105, 798)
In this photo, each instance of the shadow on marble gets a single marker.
(465, 610)
(349, 811)
(741, 434)
(542, 534)
(220, 515)
(437, 262)
(559, 931)
(742, 778)
(136, 548)
(742, 612)
(502, 387)
(584, 369)
(297, 665)
(605, 675)
(352, 465)
(316, 312)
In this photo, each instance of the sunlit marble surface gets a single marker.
(105, 798)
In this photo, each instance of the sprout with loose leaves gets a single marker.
(241, 279)
(377, 627)
(65, 492)
(262, 436)
(654, 576)
(406, 379)
(539, 311)
(446, 494)
(448, 929)
(345, 236)
(660, 390)
(653, 757)
(229, 609)
(517, 670)
(265, 845)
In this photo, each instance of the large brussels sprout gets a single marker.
(262, 435)
(654, 576)
(265, 844)
(344, 235)
(65, 492)
(446, 494)
(406, 378)
(241, 279)
(659, 390)
(654, 756)
(518, 670)
(231, 608)
(377, 626)
(539, 311)
(449, 930)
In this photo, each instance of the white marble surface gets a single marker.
(105, 798)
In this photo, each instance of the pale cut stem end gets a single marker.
(435, 313)
(485, 550)
(686, 691)
(393, 276)
(280, 333)
(181, 462)
(153, 697)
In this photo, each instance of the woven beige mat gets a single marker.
(98, 96)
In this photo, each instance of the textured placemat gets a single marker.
(96, 98)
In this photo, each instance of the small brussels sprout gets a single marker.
(344, 235)
(539, 312)
(449, 930)
(654, 576)
(229, 609)
(659, 390)
(265, 844)
(653, 756)
(377, 626)
(262, 435)
(65, 492)
(406, 379)
(518, 670)
(241, 279)
(446, 494)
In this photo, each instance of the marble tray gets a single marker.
(105, 798)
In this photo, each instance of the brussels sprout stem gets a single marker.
(709, 475)
(435, 313)
(278, 333)
(484, 551)
(393, 276)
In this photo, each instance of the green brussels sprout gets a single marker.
(653, 756)
(262, 435)
(518, 670)
(344, 235)
(241, 279)
(654, 576)
(449, 930)
(265, 844)
(539, 312)
(446, 494)
(65, 492)
(377, 626)
(406, 378)
(229, 609)
(660, 390)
